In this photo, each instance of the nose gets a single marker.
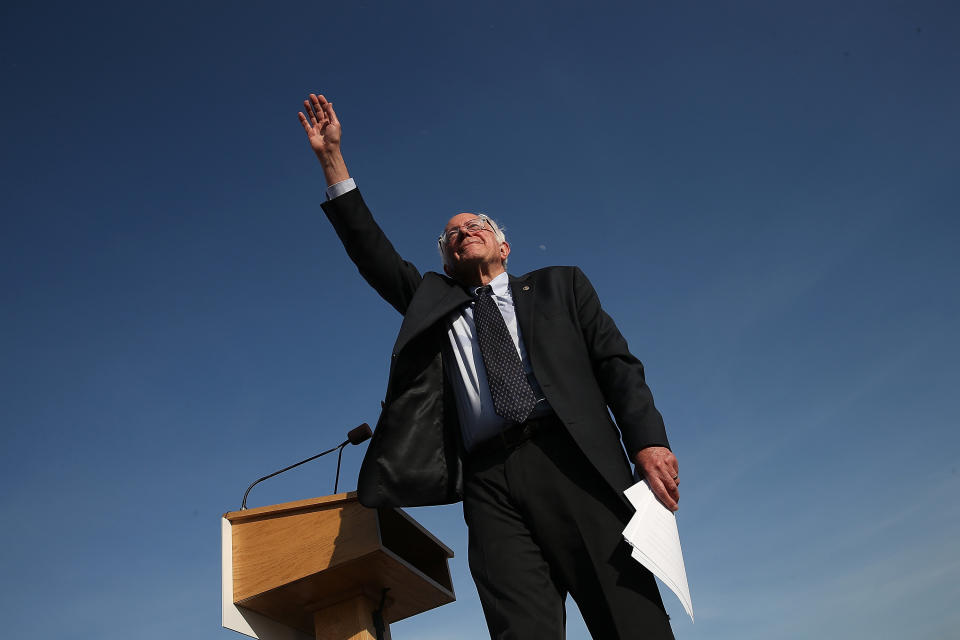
(466, 231)
(463, 232)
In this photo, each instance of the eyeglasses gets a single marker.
(473, 226)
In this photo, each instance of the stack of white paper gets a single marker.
(652, 532)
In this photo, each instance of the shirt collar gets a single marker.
(500, 286)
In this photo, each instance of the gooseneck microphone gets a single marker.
(354, 436)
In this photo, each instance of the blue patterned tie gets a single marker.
(513, 398)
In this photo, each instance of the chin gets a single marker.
(464, 266)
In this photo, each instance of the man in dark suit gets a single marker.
(499, 394)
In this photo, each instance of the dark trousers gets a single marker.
(543, 523)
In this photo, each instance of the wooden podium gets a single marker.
(318, 568)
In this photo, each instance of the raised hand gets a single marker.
(321, 124)
(323, 132)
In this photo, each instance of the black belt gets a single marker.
(513, 436)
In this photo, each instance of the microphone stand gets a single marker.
(355, 436)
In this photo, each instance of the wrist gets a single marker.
(334, 168)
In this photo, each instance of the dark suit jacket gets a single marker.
(576, 351)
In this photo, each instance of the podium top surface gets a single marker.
(338, 499)
(296, 505)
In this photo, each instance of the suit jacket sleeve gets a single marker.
(618, 372)
(381, 266)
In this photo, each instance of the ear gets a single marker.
(504, 250)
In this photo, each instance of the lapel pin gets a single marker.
(526, 287)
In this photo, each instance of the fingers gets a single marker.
(303, 121)
(670, 478)
(319, 113)
(320, 106)
(330, 113)
(673, 489)
(310, 113)
(314, 108)
(661, 489)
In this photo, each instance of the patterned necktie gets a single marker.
(512, 396)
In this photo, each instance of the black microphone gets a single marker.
(354, 436)
(360, 434)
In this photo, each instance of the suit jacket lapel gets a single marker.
(524, 297)
(435, 299)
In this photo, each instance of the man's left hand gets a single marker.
(661, 470)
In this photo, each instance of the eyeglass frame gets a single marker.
(443, 240)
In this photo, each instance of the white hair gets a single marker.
(498, 232)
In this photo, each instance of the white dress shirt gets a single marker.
(478, 420)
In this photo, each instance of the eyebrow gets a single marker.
(457, 226)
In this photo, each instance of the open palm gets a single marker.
(321, 124)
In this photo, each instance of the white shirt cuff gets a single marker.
(340, 188)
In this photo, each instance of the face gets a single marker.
(471, 249)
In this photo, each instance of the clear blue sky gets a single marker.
(765, 195)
